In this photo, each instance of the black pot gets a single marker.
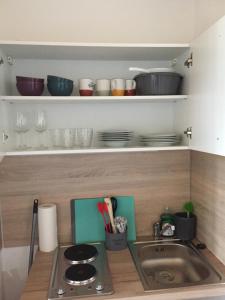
(185, 226)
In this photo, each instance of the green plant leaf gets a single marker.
(188, 207)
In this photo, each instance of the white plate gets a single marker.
(160, 140)
(161, 144)
(164, 135)
(115, 139)
(115, 144)
(116, 132)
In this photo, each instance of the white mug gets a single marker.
(118, 87)
(86, 87)
(103, 87)
(130, 87)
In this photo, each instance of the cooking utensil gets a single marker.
(121, 224)
(114, 205)
(151, 70)
(110, 212)
(108, 224)
(101, 209)
(33, 233)
(87, 224)
(158, 83)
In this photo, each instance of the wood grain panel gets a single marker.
(208, 194)
(125, 279)
(156, 179)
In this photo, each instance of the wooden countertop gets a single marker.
(126, 282)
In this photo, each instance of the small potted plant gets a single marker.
(185, 223)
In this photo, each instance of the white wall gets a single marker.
(97, 21)
(155, 21)
(207, 12)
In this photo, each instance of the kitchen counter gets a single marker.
(126, 282)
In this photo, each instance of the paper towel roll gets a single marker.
(47, 227)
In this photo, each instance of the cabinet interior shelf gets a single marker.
(97, 150)
(92, 51)
(79, 99)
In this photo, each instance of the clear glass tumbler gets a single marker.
(85, 136)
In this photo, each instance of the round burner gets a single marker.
(81, 254)
(80, 274)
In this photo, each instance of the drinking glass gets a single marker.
(84, 136)
(57, 137)
(21, 127)
(68, 135)
(40, 125)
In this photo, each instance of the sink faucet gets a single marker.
(156, 230)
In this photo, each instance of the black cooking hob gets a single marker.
(81, 254)
(80, 274)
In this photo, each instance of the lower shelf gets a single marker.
(96, 150)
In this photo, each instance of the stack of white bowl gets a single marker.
(160, 140)
(115, 138)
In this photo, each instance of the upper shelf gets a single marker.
(97, 150)
(93, 99)
(92, 51)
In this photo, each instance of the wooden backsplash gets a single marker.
(156, 179)
(208, 194)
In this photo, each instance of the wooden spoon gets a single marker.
(110, 211)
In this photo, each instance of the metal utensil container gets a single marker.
(116, 241)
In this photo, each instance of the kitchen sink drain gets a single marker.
(165, 277)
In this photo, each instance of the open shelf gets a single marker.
(92, 51)
(97, 150)
(79, 99)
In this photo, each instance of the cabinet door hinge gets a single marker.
(188, 132)
(189, 61)
(5, 137)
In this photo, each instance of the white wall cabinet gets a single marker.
(207, 91)
(141, 114)
(200, 106)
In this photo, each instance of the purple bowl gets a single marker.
(28, 86)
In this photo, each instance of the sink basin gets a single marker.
(165, 265)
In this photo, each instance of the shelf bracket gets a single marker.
(11, 61)
(173, 62)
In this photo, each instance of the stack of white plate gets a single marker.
(115, 138)
(161, 140)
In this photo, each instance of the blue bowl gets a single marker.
(58, 86)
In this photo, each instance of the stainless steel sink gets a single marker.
(165, 265)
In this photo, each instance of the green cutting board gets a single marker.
(87, 222)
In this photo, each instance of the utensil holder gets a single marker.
(185, 226)
(116, 241)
